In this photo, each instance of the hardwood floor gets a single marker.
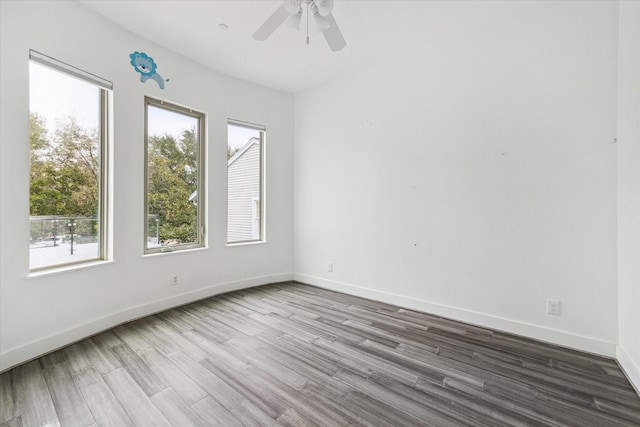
(295, 355)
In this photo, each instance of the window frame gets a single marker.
(262, 130)
(105, 88)
(201, 165)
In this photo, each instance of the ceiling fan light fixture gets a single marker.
(294, 21)
(324, 7)
(292, 6)
(320, 22)
(291, 12)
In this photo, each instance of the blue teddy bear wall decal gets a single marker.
(145, 65)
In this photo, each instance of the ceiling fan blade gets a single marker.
(333, 35)
(271, 24)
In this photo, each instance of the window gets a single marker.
(174, 176)
(245, 165)
(68, 117)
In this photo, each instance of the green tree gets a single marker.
(64, 172)
(39, 147)
(172, 179)
(64, 169)
(231, 151)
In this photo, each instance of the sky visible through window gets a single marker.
(56, 96)
(162, 121)
(240, 135)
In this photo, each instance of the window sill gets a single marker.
(176, 251)
(249, 243)
(67, 269)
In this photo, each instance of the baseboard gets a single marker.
(629, 367)
(31, 350)
(557, 337)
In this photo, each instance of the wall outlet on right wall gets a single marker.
(553, 307)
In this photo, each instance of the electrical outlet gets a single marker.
(553, 307)
(175, 281)
(330, 267)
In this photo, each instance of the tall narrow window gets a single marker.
(174, 196)
(245, 164)
(68, 138)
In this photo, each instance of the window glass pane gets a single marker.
(174, 143)
(244, 183)
(66, 173)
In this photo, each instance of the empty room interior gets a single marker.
(319, 213)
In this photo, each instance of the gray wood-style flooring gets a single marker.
(295, 355)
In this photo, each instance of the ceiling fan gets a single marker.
(291, 11)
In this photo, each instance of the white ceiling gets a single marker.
(373, 30)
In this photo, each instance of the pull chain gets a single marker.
(307, 23)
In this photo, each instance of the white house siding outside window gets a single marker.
(245, 183)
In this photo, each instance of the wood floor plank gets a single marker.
(106, 340)
(390, 397)
(175, 410)
(377, 413)
(32, 395)
(134, 400)
(305, 353)
(254, 299)
(292, 418)
(299, 401)
(181, 343)
(214, 414)
(131, 337)
(158, 339)
(216, 351)
(172, 376)
(77, 357)
(342, 332)
(142, 374)
(104, 406)
(303, 367)
(270, 403)
(222, 392)
(90, 353)
(282, 372)
(429, 363)
(14, 422)
(533, 416)
(9, 408)
(370, 362)
(251, 416)
(630, 412)
(293, 354)
(176, 318)
(361, 333)
(52, 359)
(70, 406)
(213, 329)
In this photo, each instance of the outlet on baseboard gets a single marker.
(553, 307)
(330, 267)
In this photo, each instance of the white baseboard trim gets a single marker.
(629, 367)
(31, 350)
(553, 336)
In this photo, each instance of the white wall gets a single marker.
(41, 313)
(473, 174)
(629, 189)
